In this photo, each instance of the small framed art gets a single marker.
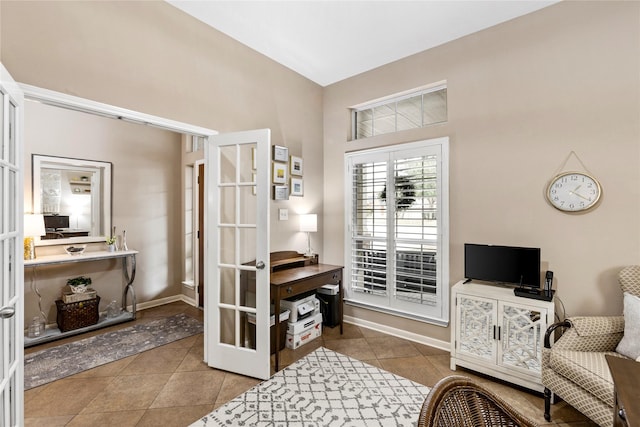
(279, 173)
(296, 166)
(297, 187)
(280, 192)
(280, 154)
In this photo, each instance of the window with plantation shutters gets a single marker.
(397, 237)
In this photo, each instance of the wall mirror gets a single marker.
(74, 195)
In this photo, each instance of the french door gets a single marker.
(11, 276)
(237, 253)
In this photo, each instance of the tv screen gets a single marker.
(502, 264)
(56, 222)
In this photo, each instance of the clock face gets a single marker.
(573, 192)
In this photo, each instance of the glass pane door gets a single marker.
(11, 277)
(237, 253)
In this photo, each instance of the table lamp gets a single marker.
(309, 224)
(33, 226)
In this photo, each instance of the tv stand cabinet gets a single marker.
(498, 333)
(128, 272)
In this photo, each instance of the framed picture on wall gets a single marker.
(279, 173)
(296, 166)
(297, 187)
(280, 154)
(280, 192)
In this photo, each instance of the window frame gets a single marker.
(439, 313)
(393, 100)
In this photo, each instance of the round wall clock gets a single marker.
(573, 191)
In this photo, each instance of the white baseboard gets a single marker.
(420, 339)
(162, 301)
(147, 304)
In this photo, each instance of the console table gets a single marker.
(129, 274)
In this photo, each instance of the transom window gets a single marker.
(401, 112)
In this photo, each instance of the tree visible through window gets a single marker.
(397, 245)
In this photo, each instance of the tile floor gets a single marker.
(171, 386)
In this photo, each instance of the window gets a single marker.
(409, 111)
(195, 143)
(397, 241)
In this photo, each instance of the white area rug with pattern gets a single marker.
(325, 388)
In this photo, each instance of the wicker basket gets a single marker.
(77, 315)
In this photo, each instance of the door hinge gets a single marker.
(198, 234)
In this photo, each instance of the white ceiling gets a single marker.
(330, 40)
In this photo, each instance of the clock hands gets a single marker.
(578, 194)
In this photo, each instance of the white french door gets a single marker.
(11, 276)
(236, 253)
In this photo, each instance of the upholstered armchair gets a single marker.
(459, 401)
(575, 369)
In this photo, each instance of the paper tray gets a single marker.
(284, 315)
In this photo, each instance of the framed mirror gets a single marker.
(74, 195)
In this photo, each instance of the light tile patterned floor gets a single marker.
(171, 386)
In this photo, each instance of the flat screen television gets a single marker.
(56, 222)
(502, 264)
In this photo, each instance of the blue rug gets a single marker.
(54, 363)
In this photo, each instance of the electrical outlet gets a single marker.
(283, 214)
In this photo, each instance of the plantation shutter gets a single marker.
(396, 237)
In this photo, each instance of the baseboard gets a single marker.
(162, 301)
(410, 336)
(147, 304)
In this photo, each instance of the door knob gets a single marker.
(260, 265)
(7, 312)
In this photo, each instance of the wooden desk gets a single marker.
(290, 282)
(626, 377)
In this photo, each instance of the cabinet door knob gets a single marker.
(260, 265)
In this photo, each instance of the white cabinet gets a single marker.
(497, 333)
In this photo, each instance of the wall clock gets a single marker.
(573, 191)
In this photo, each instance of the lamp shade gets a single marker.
(309, 223)
(34, 225)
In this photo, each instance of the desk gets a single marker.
(290, 282)
(626, 377)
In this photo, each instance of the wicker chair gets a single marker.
(459, 401)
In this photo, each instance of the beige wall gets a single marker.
(146, 191)
(151, 57)
(522, 96)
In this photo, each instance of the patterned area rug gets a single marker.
(58, 362)
(325, 388)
